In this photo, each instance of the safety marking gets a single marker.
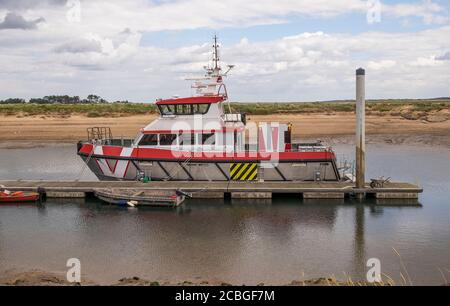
(243, 171)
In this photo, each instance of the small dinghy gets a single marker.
(18, 196)
(132, 197)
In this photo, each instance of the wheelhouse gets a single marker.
(187, 106)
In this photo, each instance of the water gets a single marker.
(238, 242)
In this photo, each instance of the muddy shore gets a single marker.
(41, 278)
(331, 128)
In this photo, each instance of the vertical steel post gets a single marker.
(360, 128)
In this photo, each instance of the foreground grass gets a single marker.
(125, 109)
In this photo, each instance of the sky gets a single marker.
(283, 50)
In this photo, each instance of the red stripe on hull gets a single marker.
(159, 154)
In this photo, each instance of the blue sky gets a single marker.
(346, 23)
(284, 50)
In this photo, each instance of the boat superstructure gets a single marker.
(199, 138)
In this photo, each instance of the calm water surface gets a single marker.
(239, 242)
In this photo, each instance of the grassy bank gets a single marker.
(411, 108)
(373, 106)
(90, 110)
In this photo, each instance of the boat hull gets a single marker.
(219, 171)
(156, 200)
(24, 197)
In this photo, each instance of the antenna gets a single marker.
(213, 77)
(229, 68)
(216, 53)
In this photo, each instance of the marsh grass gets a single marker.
(381, 106)
(90, 110)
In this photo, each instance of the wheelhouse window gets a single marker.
(149, 140)
(166, 109)
(187, 139)
(167, 139)
(208, 139)
(200, 109)
(183, 109)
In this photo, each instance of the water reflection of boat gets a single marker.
(132, 197)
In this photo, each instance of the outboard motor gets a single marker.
(42, 194)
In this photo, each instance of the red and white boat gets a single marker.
(18, 196)
(198, 138)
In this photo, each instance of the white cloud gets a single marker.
(108, 17)
(429, 61)
(444, 57)
(14, 21)
(382, 64)
(103, 53)
(429, 11)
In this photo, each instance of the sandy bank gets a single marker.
(41, 129)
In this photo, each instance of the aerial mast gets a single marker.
(216, 54)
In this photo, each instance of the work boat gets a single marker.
(199, 138)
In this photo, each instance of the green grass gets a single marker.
(115, 109)
(382, 106)
(90, 110)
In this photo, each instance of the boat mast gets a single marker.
(216, 71)
(214, 75)
(216, 54)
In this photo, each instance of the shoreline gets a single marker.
(42, 278)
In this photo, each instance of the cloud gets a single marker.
(445, 57)
(79, 46)
(429, 11)
(28, 4)
(109, 17)
(15, 21)
(107, 44)
(382, 64)
(95, 52)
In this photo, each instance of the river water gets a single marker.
(238, 242)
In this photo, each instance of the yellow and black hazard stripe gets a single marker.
(243, 171)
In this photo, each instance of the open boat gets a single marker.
(18, 196)
(133, 197)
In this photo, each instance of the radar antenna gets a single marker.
(216, 54)
(212, 82)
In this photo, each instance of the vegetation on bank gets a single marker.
(90, 110)
(374, 106)
(410, 109)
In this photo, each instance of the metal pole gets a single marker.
(360, 129)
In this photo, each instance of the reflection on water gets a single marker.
(242, 241)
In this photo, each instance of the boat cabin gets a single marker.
(201, 124)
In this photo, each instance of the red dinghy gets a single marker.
(18, 196)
